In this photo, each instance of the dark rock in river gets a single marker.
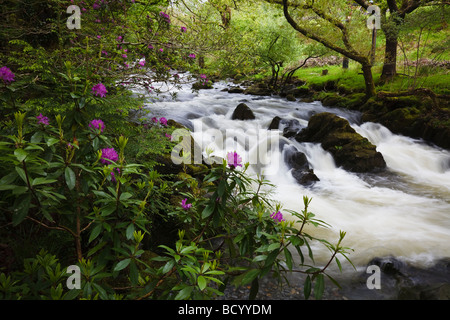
(388, 265)
(290, 97)
(300, 167)
(402, 281)
(165, 164)
(290, 127)
(349, 149)
(242, 112)
(275, 123)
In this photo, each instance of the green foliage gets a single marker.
(240, 39)
(42, 277)
(77, 166)
(62, 185)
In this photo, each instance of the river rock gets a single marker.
(258, 89)
(202, 85)
(242, 112)
(196, 164)
(290, 127)
(298, 92)
(235, 90)
(408, 282)
(275, 123)
(388, 265)
(300, 167)
(349, 149)
(290, 97)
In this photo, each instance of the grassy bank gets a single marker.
(413, 106)
(351, 79)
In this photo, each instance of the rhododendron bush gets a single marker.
(120, 45)
(80, 178)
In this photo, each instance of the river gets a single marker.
(403, 212)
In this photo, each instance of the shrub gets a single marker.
(86, 188)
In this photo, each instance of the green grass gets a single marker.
(349, 78)
(436, 79)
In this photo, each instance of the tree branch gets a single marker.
(348, 51)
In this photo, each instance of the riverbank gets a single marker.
(419, 113)
(380, 212)
(397, 281)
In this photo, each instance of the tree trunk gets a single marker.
(390, 27)
(368, 80)
(374, 46)
(390, 56)
(345, 62)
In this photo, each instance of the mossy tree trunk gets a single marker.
(391, 27)
(368, 80)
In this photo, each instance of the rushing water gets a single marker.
(404, 212)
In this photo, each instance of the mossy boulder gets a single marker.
(329, 85)
(347, 101)
(236, 90)
(299, 92)
(194, 165)
(202, 85)
(349, 149)
(258, 89)
(412, 117)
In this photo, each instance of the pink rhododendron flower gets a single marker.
(163, 121)
(165, 16)
(42, 120)
(184, 205)
(109, 155)
(6, 75)
(113, 177)
(99, 90)
(277, 216)
(97, 125)
(234, 160)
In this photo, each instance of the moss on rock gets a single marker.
(348, 148)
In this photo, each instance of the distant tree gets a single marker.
(391, 24)
(326, 22)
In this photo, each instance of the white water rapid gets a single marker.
(404, 212)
